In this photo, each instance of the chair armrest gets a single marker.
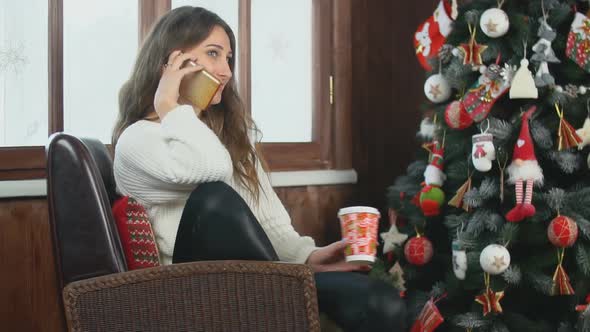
(197, 296)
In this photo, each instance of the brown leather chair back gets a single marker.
(85, 239)
(102, 158)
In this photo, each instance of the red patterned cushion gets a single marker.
(137, 236)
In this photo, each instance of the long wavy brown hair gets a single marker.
(183, 28)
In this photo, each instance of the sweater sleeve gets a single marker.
(157, 163)
(276, 222)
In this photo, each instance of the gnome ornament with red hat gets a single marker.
(524, 169)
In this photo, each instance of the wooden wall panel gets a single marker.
(149, 12)
(387, 84)
(28, 288)
(313, 209)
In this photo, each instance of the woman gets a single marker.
(199, 176)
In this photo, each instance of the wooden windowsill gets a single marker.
(38, 187)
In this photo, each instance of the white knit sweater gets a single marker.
(159, 164)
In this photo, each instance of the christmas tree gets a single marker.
(490, 226)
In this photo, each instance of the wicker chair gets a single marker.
(99, 294)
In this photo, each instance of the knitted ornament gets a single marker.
(578, 42)
(494, 259)
(432, 34)
(456, 116)
(392, 239)
(494, 22)
(426, 129)
(434, 175)
(484, 93)
(483, 151)
(437, 88)
(544, 54)
(524, 168)
(523, 84)
(418, 250)
(459, 260)
(562, 232)
(431, 199)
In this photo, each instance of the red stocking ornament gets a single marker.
(432, 34)
(456, 116)
(491, 85)
(578, 42)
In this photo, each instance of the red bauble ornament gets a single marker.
(562, 232)
(418, 250)
(456, 116)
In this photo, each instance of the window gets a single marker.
(311, 48)
(23, 73)
(95, 65)
(281, 69)
(327, 142)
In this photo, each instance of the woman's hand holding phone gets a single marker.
(167, 93)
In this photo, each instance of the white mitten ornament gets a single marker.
(459, 260)
(483, 151)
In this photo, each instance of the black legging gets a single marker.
(215, 211)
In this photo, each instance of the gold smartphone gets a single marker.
(199, 88)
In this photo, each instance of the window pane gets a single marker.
(100, 45)
(228, 10)
(281, 69)
(23, 72)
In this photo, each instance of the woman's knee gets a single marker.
(214, 211)
(213, 196)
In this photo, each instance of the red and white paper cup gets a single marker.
(359, 226)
